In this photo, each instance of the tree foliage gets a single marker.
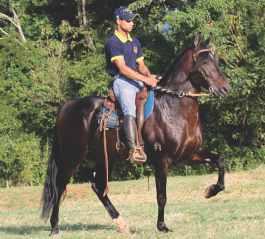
(62, 57)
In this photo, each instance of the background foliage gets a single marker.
(62, 57)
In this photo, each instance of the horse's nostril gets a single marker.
(226, 89)
(223, 92)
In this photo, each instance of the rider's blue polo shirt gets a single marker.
(119, 46)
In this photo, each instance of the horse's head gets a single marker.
(205, 71)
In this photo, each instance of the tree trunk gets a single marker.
(84, 16)
(79, 12)
(18, 25)
(15, 21)
(7, 183)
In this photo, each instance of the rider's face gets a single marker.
(125, 25)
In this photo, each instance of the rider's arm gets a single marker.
(132, 74)
(142, 68)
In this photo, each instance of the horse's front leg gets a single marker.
(161, 169)
(112, 211)
(98, 186)
(215, 161)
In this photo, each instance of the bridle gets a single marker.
(197, 53)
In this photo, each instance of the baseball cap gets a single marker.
(124, 13)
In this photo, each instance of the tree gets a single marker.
(51, 51)
(15, 21)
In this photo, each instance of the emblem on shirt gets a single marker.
(135, 49)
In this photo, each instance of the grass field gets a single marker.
(239, 212)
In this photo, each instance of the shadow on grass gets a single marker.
(20, 230)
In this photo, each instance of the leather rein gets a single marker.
(180, 94)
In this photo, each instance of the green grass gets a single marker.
(239, 212)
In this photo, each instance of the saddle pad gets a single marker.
(113, 118)
(149, 104)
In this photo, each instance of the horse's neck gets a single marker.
(179, 82)
(174, 102)
(172, 107)
(177, 76)
(177, 79)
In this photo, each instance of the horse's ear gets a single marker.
(209, 39)
(197, 40)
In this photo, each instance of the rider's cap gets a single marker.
(124, 13)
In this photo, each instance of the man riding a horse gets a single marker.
(172, 133)
(125, 63)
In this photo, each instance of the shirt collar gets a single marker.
(122, 38)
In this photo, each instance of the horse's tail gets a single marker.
(50, 191)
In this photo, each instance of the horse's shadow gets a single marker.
(20, 230)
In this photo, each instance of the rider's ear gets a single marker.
(197, 40)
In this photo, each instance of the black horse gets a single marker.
(172, 134)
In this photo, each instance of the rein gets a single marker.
(179, 94)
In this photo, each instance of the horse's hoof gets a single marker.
(161, 226)
(213, 190)
(122, 226)
(54, 232)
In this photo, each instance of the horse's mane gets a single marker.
(174, 66)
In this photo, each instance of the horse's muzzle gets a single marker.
(219, 91)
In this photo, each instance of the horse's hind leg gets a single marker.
(215, 161)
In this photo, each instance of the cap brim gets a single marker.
(134, 16)
(128, 18)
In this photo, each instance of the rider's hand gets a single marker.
(158, 77)
(151, 81)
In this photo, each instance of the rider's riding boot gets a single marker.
(135, 153)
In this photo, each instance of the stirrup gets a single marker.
(137, 155)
